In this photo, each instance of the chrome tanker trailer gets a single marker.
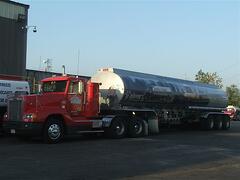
(169, 101)
(117, 103)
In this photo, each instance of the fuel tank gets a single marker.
(121, 88)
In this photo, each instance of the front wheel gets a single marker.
(53, 131)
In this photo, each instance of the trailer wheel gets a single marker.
(117, 128)
(136, 127)
(207, 123)
(226, 123)
(218, 122)
(53, 131)
(210, 123)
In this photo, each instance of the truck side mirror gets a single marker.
(80, 87)
(40, 88)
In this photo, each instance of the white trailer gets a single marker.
(10, 88)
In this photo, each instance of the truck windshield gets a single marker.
(54, 86)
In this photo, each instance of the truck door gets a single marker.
(76, 98)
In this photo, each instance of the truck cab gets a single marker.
(65, 103)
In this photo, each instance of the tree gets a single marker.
(209, 78)
(233, 93)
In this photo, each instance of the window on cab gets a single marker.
(54, 86)
(76, 87)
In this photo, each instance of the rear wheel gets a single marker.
(53, 131)
(218, 123)
(117, 128)
(226, 123)
(207, 123)
(136, 127)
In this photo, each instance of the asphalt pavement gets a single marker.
(172, 154)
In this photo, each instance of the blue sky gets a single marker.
(169, 38)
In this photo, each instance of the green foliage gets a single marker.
(209, 78)
(233, 93)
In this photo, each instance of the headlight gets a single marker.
(5, 117)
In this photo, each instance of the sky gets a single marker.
(168, 38)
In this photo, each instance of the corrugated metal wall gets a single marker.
(11, 11)
(13, 38)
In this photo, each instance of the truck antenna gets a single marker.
(64, 73)
(78, 62)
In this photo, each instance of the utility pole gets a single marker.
(48, 67)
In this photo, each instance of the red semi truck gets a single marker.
(233, 112)
(116, 102)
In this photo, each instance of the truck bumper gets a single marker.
(22, 128)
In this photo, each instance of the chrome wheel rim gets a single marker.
(54, 131)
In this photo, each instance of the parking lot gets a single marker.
(173, 154)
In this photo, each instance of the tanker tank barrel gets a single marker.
(127, 88)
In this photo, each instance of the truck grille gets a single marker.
(15, 110)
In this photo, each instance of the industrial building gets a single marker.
(13, 36)
(13, 45)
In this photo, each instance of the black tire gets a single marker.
(117, 128)
(226, 123)
(207, 123)
(53, 131)
(136, 127)
(218, 122)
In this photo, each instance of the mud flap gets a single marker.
(153, 126)
(146, 131)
